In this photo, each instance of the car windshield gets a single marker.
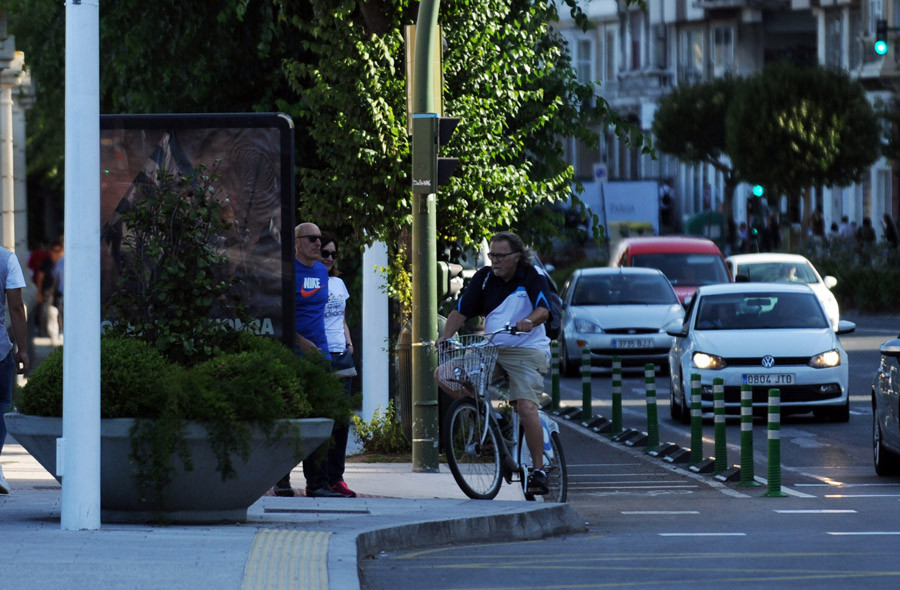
(778, 272)
(755, 311)
(623, 290)
(686, 269)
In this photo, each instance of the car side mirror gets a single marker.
(829, 281)
(677, 329)
(845, 327)
(891, 348)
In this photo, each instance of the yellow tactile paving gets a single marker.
(283, 558)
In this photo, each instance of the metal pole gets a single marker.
(773, 487)
(652, 414)
(375, 376)
(586, 384)
(719, 417)
(78, 452)
(747, 472)
(696, 420)
(554, 375)
(616, 395)
(424, 261)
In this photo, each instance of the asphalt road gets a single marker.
(654, 525)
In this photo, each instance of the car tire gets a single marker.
(685, 416)
(567, 366)
(886, 462)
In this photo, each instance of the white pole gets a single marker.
(79, 451)
(376, 360)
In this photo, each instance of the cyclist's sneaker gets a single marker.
(537, 483)
(341, 488)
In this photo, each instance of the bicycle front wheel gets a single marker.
(475, 464)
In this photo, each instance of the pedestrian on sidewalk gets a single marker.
(13, 281)
(340, 345)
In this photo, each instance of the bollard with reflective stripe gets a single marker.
(652, 415)
(773, 489)
(719, 417)
(554, 375)
(616, 395)
(747, 474)
(696, 421)
(586, 384)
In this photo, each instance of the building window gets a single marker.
(691, 56)
(637, 24)
(610, 57)
(833, 40)
(723, 51)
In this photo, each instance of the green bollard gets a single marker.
(652, 416)
(773, 490)
(747, 474)
(554, 375)
(696, 421)
(586, 384)
(719, 417)
(616, 395)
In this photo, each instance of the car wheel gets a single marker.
(886, 462)
(685, 416)
(567, 367)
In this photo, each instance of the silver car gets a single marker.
(617, 312)
(886, 411)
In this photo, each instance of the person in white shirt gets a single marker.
(13, 353)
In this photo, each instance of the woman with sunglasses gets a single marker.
(339, 342)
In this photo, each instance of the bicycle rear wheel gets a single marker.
(475, 464)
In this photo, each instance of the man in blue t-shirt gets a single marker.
(311, 295)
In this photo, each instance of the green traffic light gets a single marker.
(758, 190)
(881, 47)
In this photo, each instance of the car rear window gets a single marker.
(686, 269)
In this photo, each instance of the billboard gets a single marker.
(255, 155)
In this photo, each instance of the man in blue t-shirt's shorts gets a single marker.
(512, 291)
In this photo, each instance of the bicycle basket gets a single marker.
(466, 368)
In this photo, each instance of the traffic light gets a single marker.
(758, 190)
(449, 279)
(430, 132)
(881, 30)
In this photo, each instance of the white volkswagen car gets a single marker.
(617, 312)
(773, 267)
(767, 335)
(886, 411)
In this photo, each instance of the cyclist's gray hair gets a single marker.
(515, 245)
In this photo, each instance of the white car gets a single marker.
(617, 312)
(886, 411)
(786, 268)
(768, 335)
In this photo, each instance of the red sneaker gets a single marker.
(341, 488)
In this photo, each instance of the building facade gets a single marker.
(637, 55)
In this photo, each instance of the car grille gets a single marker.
(756, 361)
(789, 393)
(630, 352)
(631, 330)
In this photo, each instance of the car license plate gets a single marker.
(632, 343)
(768, 378)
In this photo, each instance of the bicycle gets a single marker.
(481, 451)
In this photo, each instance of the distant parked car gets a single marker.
(787, 268)
(886, 411)
(617, 312)
(687, 262)
(766, 335)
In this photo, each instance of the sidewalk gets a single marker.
(285, 543)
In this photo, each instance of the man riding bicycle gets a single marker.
(513, 291)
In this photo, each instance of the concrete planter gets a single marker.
(199, 495)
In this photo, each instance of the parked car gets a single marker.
(617, 312)
(765, 335)
(786, 268)
(886, 411)
(686, 261)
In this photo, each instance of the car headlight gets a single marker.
(823, 360)
(586, 327)
(708, 361)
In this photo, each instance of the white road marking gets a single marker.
(652, 512)
(862, 495)
(862, 533)
(702, 534)
(816, 511)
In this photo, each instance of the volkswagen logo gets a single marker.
(768, 361)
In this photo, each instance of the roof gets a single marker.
(668, 244)
(726, 288)
(621, 270)
(766, 257)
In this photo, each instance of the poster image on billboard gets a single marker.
(253, 156)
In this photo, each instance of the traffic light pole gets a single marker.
(424, 253)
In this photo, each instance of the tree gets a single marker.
(690, 124)
(793, 127)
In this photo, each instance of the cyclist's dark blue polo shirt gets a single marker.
(502, 302)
